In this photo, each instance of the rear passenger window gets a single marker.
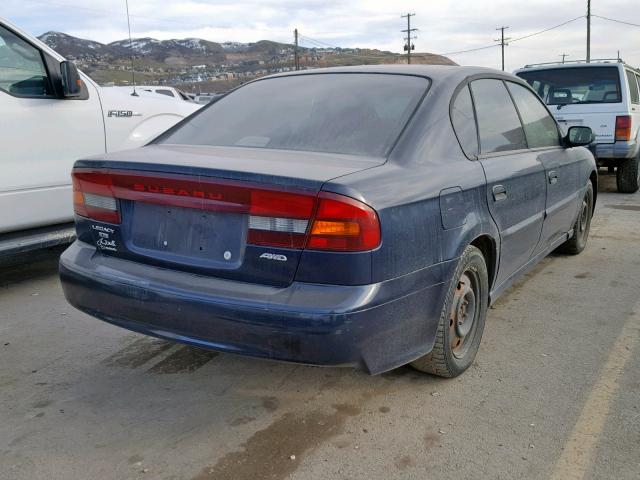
(464, 122)
(498, 123)
(539, 128)
(633, 87)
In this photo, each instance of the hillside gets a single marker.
(195, 61)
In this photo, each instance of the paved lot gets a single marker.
(554, 393)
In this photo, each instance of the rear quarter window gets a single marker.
(464, 122)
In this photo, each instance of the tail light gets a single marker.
(299, 219)
(93, 198)
(623, 127)
(343, 224)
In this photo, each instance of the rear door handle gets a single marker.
(499, 192)
(553, 176)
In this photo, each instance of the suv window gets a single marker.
(562, 86)
(498, 123)
(168, 93)
(633, 87)
(539, 127)
(464, 122)
(22, 70)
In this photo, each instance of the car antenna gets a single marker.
(133, 72)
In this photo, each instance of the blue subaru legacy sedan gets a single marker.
(360, 216)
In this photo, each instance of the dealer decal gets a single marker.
(104, 240)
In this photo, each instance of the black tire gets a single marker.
(454, 350)
(628, 175)
(581, 227)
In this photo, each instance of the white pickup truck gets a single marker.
(50, 115)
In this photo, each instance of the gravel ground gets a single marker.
(554, 392)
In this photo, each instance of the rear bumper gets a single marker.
(376, 327)
(617, 150)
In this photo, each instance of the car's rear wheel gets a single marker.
(581, 228)
(628, 175)
(462, 319)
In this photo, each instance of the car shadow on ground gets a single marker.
(29, 266)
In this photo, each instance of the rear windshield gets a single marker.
(564, 86)
(360, 114)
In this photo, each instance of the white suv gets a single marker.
(603, 95)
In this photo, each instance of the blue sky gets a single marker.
(444, 26)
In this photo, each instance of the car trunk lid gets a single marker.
(235, 213)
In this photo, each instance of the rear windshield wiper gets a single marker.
(580, 102)
(589, 101)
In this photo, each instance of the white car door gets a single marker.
(41, 136)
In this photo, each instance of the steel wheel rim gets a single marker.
(463, 316)
(584, 216)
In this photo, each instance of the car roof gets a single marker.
(436, 73)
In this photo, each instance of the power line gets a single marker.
(514, 39)
(547, 29)
(319, 44)
(469, 50)
(617, 21)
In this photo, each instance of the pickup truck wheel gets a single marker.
(581, 228)
(628, 175)
(462, 319)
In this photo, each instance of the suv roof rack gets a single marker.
(593, 60)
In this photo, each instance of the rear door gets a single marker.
(562, 165)
(516, 180)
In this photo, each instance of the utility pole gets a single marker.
(588, 31)
(563, 55)
(409, 46)
(296, 60)
(502, 41)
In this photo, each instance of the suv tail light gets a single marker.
(300, 219)
(623, 127)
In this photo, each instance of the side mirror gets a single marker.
(71, 82)
(579, 136)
